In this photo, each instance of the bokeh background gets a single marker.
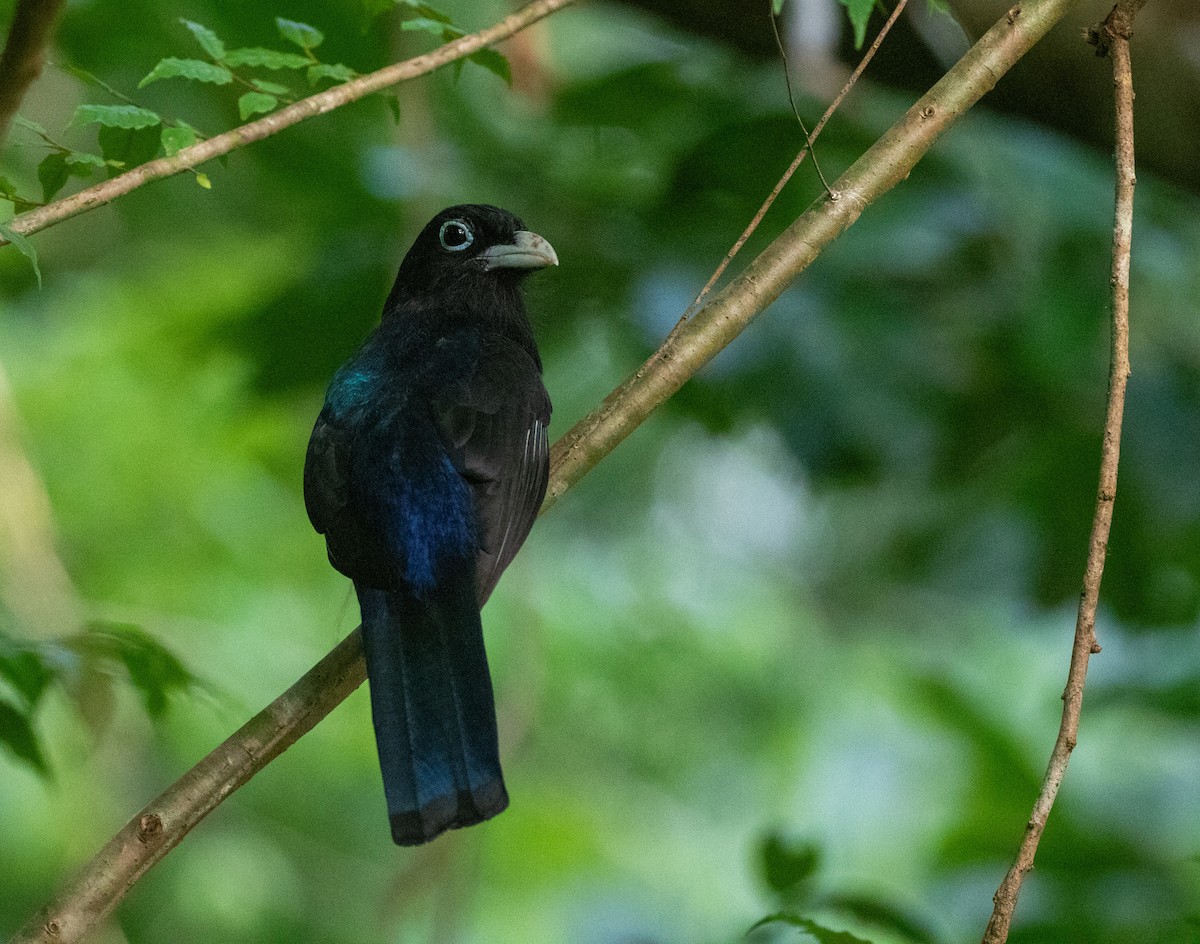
(797, 644)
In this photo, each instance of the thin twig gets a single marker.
(24, 53)
(319, 104)
(1115, 31)
(787, 174)
(162, 824)
(787, 81)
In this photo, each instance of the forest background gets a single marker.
(797, 644)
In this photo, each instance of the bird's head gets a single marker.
(471, 250)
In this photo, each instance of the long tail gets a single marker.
(435, 720)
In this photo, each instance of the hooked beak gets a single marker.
(526, 251)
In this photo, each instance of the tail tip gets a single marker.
(450, 811)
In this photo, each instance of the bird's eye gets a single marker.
(455, 235)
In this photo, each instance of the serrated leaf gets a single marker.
(256, 103)
(266, 58)
(25, 247)
(114, 116)
(271, 88)
(16, 732)
(301, 34)
(859, 12)
(82, 159)
(195, 69)
(494, 62)
(203, 181)
(822, 934)
(176, 138)
(339, 73)
(52, 174)
(208, 40)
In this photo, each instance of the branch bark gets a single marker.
(163, 823)
(1112, 36)
(335, 97)
(24, 53)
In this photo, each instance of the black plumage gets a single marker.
(425, 471)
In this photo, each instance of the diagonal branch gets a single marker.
(335, 97)
(24, 53)
(1112, 36)
(166, 820)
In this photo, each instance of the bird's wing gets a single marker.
(494, 425)
(327, 473)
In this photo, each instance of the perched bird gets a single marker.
(425, 471)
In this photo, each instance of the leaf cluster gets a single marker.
(84, 666)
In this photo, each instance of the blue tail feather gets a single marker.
(432, 705)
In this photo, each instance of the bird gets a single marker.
(425, 471)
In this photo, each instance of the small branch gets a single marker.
(319, 104)
(1115, 33)
(159, 827)
(810, 139)
(24, 53)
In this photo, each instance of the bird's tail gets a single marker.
(431, 700)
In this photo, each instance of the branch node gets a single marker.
(927, 111)
(53, 928)
(149, 827)
(1012, 14)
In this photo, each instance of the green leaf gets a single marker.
(25, 247)
(152, 668)
(203, 181)
(271, 88)
(393, 104)
(777, 6)
(128, 147)
(301, 34)
(195, 69)
(254, 103)
(859, 12)
(82, 160)
(9, 192)
(25, 669)
(425, 10)
(786, 865)
(17, 733)
(425, 24)
(339, 73)
(114, 116)
(176, 138)
(822, 934)
(267, 58)
(494, 62)
(52, 174)
(208, 40)
(883, 915)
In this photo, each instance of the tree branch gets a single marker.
(335, 97)
(24, 53)
(163, 823)
(1111, 36)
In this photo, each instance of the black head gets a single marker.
(473, 252)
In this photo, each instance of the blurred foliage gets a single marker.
(795, 648)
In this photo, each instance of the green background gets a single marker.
(799, 643)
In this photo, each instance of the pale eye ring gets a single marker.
(455, 235)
